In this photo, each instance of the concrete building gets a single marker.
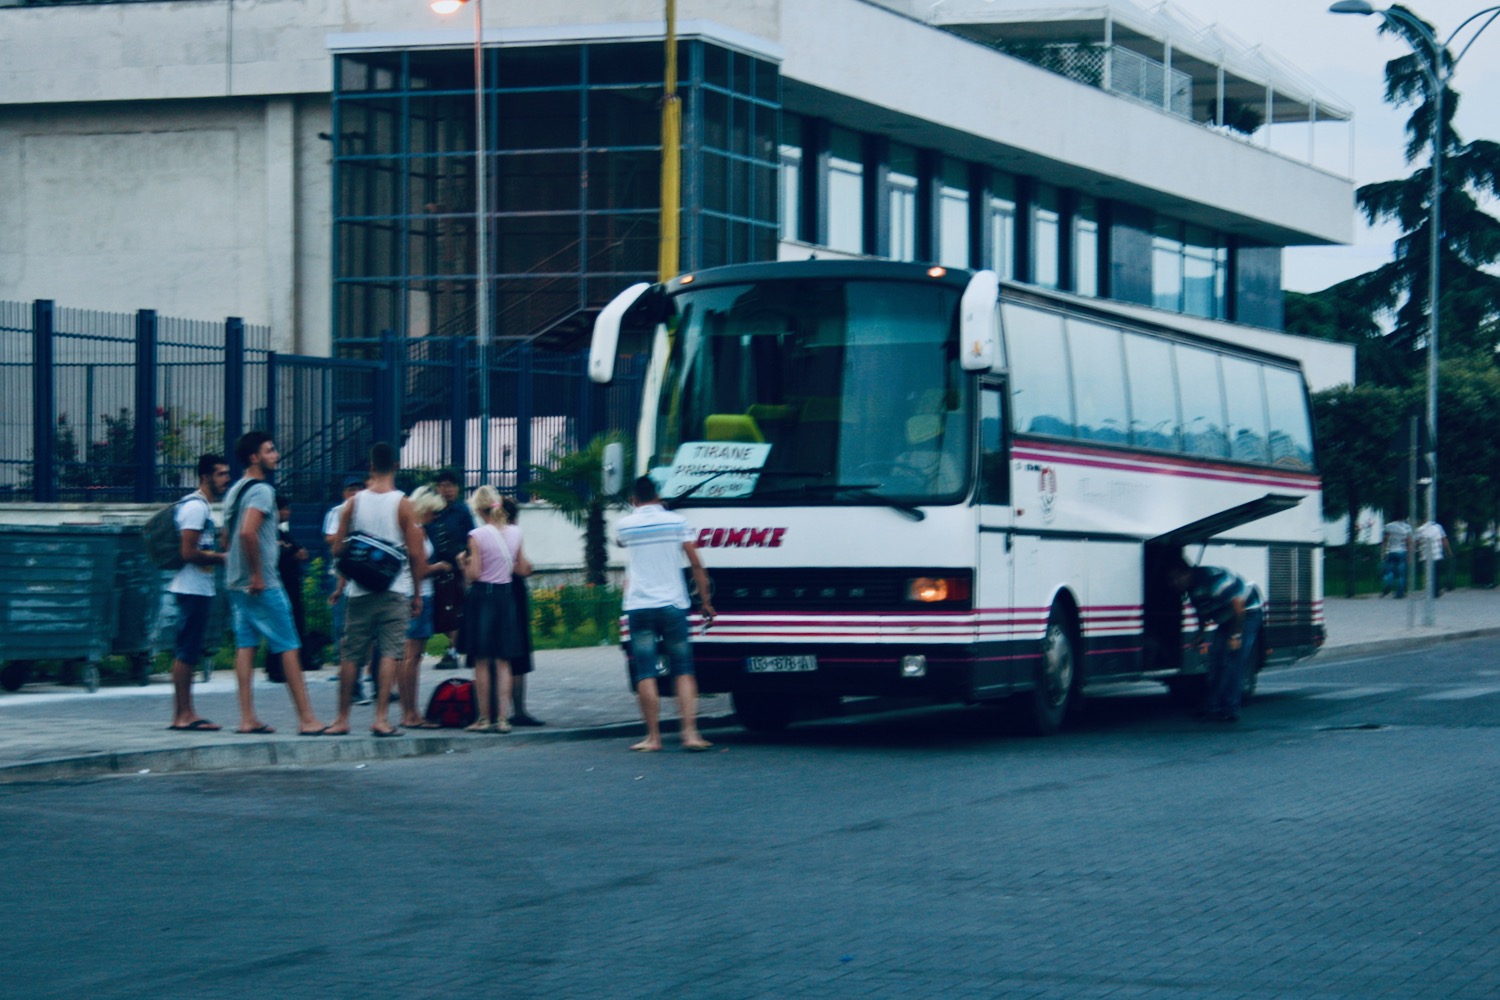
(309, 164)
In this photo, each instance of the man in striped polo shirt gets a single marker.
(657, 542)
(1235, 607)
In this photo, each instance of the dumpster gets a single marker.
(74, 594)
(138, 590)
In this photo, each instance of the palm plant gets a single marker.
(570, 481)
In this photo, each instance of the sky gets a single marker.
(1345, 56)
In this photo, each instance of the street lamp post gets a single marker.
(481, 232)
(1439, 72)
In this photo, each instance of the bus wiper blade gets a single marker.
(836, 489)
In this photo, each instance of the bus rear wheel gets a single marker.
(1045, 706)
(763, 713)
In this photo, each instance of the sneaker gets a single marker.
(522, 719)
(361, 697)
(448, 662)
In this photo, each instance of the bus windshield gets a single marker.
(813, 391)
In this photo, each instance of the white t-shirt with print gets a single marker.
(653, 537)
(195, 514)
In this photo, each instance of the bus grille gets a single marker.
(1290, 596)
(823, 589)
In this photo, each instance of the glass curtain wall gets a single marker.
(573, 172)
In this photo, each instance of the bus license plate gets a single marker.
(781, 664)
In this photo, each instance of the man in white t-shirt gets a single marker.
(656, 606)
(193, 587)
(1432, 545)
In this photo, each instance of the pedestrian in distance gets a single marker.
(1235, 607)
(193, 586)
(490, 635)
(1432, 544)
(289, 559)
(257, 599)
(657, 541)
(380, 617)
(521, 664)
(425, 505)
(450, 537)
(1395, 547)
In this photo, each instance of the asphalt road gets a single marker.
(1338, 842)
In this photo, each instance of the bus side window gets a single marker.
(994, 465)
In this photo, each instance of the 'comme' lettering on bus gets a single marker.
(740, 538)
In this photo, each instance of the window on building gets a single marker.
(1189, 270)
(1086, 247)
(791, 153)
(846, 191)
(953, 214)
(1002, 226)
(901, 201)
(1046, 241)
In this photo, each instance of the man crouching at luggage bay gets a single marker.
(656, 606)
(1235, 607)
(257, 599)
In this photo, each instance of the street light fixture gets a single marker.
(481, 231)
(1439, 72)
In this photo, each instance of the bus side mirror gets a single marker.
(606, 342)
(978, 334)
(612, 470)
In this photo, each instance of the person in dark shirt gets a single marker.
(290, 555)
(449, 531)
(1235, 608)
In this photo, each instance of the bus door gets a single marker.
(1163, 604)
(994, 573)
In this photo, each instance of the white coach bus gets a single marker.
(912, 481)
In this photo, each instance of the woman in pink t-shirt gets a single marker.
(491, 634)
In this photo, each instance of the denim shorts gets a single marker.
(192, 621)
(421, 624)
(670, 626)
(268, 616)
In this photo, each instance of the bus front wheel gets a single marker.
(763, 713)
(1046, 705)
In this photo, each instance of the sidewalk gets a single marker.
(49, 732)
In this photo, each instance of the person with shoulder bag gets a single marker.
(379, 549)
(193, 587)
(491, 636)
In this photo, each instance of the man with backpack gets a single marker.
(379, 516)
(257, 599)
(193, 586)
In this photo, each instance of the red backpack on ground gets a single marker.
(452, 704)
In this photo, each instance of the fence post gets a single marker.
(271, 414)
(586, 399)
(234, 388)
(458, 420)
(145, 405)
(387, 415)
(43, 403)
(524, 406)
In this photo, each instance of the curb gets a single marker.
(290, 753)
(1397, 645)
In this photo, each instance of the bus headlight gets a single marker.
(936, 589)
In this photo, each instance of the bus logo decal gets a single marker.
(1047, 490)
(740, 538)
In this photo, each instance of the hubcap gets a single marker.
(1057, 665)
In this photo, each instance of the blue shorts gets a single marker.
(668, 624)
(268, 616)
(192, 621)
(420, 626)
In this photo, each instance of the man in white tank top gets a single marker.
(378, 617)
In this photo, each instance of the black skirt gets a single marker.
(490, 630)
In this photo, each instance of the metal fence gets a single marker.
(118, 406)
